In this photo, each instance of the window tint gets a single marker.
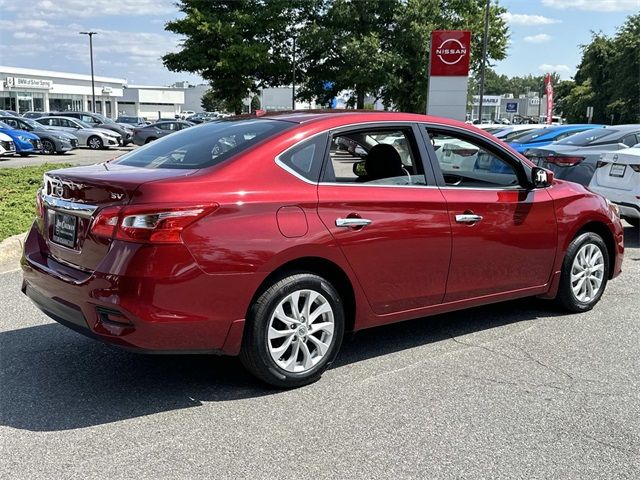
(581, 138)
(376, 157)
(630, 140)
(165, 126)
(306, 158)
(11, 123)
(205, 145)
(466, 162)
(88, 119)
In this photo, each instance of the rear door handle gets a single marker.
(468, 218)
(352, 222)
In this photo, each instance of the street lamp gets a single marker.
(93, 88)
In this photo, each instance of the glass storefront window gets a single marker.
(7, 101)
(65, 103)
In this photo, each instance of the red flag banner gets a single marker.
(549, 90)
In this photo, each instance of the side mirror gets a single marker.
(359, 169)
(541, 177)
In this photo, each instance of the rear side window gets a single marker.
(205, 145)
(305, 159)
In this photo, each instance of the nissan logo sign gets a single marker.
(451, 51)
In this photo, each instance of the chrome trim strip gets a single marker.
(71, 208)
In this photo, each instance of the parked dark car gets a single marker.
(97, 120)
(574, 158)
(257, 237)
(9, 113)
(132, 121)
(149, 133)
(52, 141)
(34, 114)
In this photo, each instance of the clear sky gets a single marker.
(545, 35)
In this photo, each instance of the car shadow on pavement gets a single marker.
(54, 379)
(631, 237)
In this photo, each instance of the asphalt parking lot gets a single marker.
(79, 156)
(514, 390)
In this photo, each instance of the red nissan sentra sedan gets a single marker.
(271, 237)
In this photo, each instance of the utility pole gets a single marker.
(484, 57)
(293, 81)
(93, 87)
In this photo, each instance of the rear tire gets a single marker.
(584, 274)
(149, 140)
(294, 331)
(95, 143)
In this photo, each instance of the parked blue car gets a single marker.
(544, 136)
(26, 142)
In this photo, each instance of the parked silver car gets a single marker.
(575, 157)
(95, 138)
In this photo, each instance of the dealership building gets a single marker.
(26, 89)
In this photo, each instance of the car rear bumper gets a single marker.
(626, 200)
(128, 304)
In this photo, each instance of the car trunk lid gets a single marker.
(71, 198)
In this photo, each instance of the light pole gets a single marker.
(484, 58)
(293, 80)
(93, 88)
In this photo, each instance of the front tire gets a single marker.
(584, 275)
(95, 143)
(294, 331)
(48, 147)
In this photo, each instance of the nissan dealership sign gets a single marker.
(450, 53)
(449, 73)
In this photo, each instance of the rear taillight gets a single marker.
(635, 167)
(464, 152)
(147, 223)
(563, 161)
(601, 163)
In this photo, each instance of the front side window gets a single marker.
(374, 157)
(205, 145)
(467, 162)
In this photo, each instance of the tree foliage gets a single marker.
(366, 47)
(239, 46)
(608, 77)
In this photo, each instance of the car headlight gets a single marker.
(24, 139)
(60, 137)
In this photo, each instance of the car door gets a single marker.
(504, 234)
(387, 215)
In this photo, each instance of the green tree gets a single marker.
(608, 77)
(211, 102)
(255, 103)
(239, 46)
(414, 22)
(345, 47)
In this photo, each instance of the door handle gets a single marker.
(468, 218)
(352, 222)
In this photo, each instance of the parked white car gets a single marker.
(94, 138)
(7, 147)
(617, 178)
(511, 131)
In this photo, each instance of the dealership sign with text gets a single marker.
(450, 53)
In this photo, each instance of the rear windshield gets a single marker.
(205, 145)
(590, 136)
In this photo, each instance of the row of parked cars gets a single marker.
(604, 158)
(59, 132)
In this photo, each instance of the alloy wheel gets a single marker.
(587, 272)
(301, 331)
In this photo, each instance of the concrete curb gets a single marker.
(10, 252)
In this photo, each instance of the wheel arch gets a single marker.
(324, 268)
(601, 229)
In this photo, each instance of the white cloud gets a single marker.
(527, 20)
(92, 8)
(564, 71)
(25, 35)
(540, 38)
(595, 5)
